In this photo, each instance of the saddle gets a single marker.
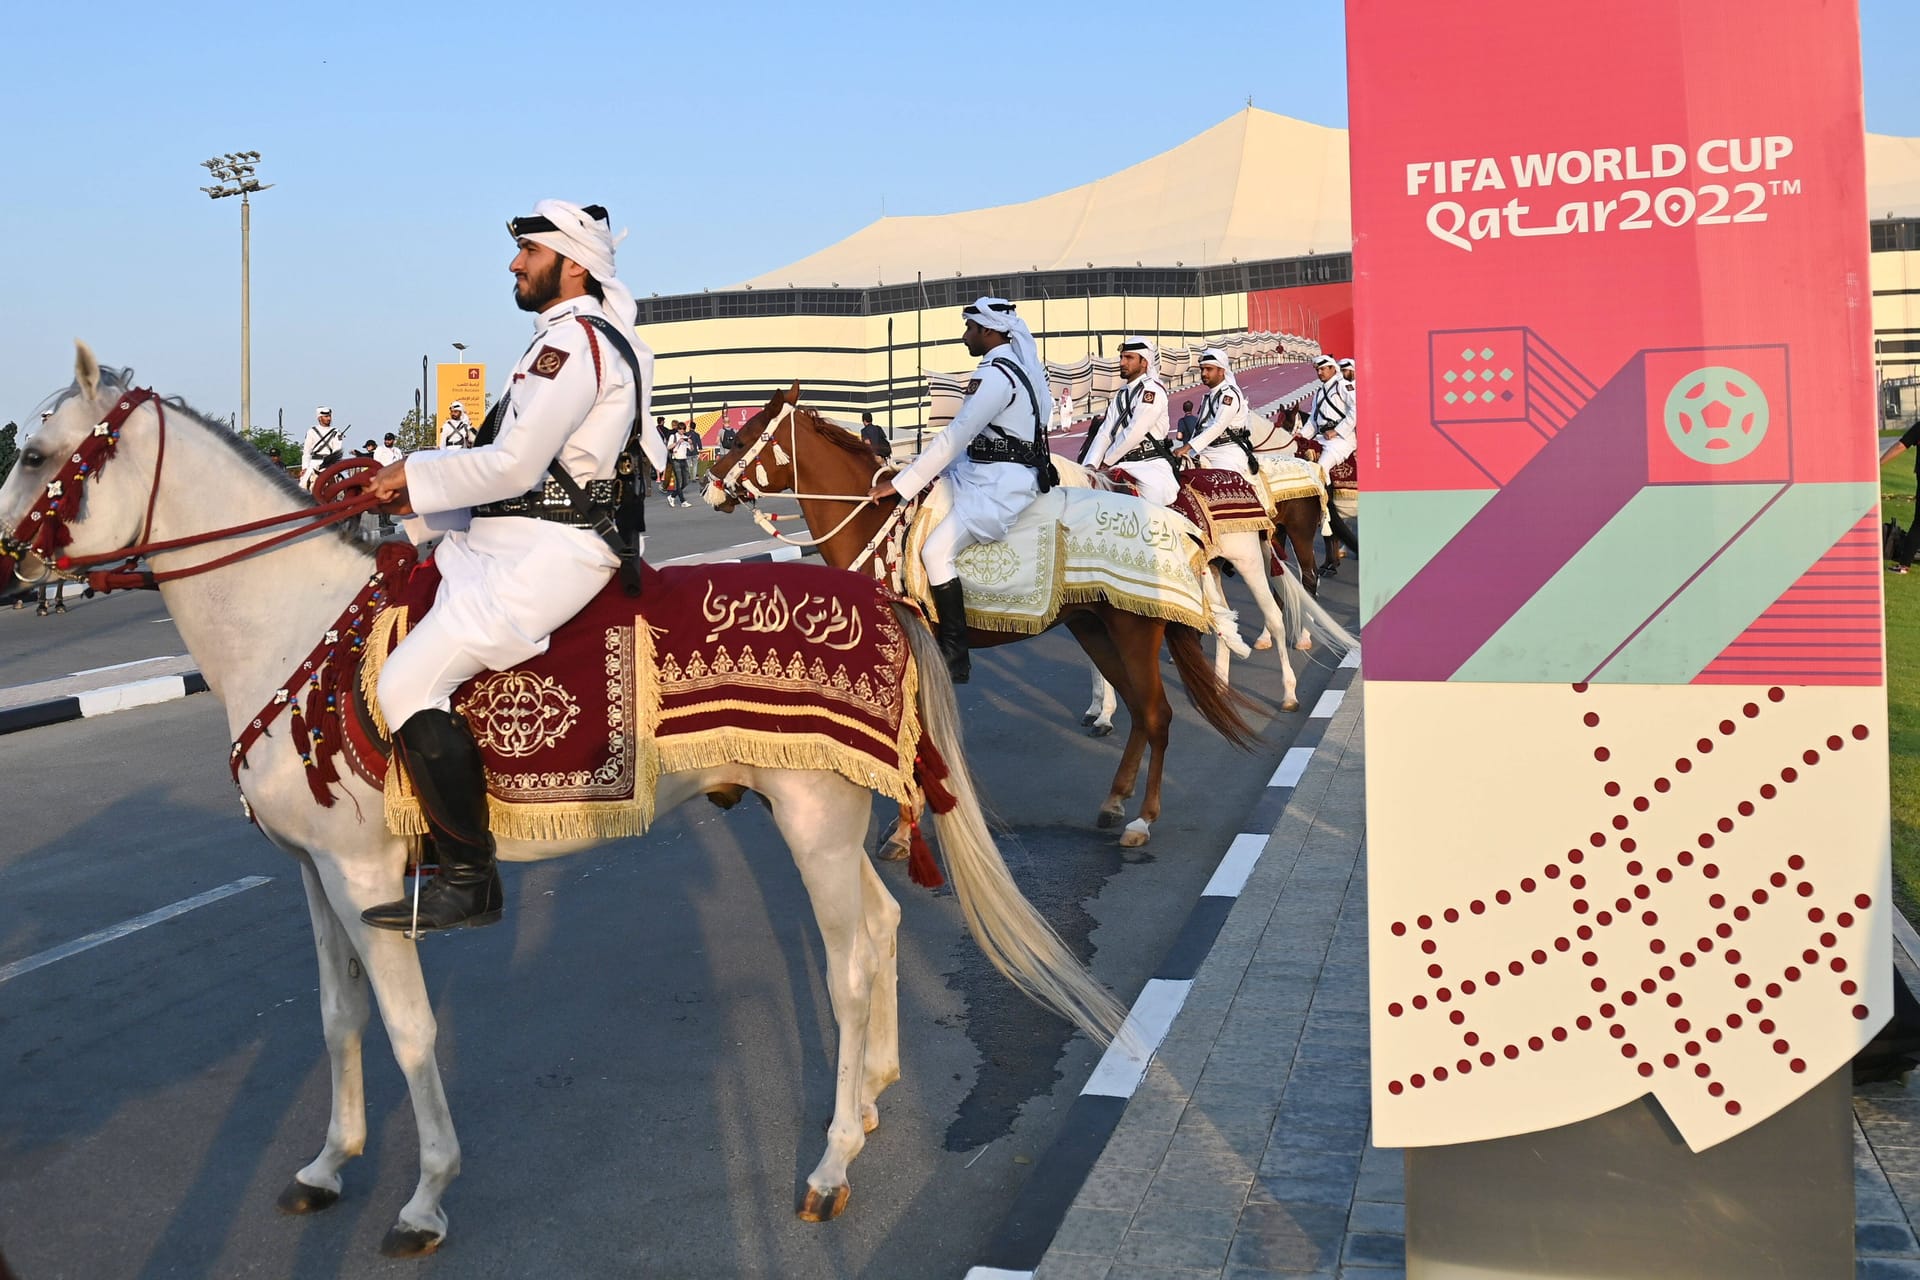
(789, 666)
(1221, 502)
(1071, 546)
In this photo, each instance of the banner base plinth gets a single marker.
(1621, 1196)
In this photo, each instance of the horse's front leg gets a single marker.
(1226, 623)
(1099, 713)
(393, 967)
(343, 1017)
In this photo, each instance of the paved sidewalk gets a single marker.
(1245, 1152)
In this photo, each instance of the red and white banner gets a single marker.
(1628, 822)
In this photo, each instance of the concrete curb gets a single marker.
(1023, 1236)
(142, 693)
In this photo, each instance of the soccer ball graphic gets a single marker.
(1716, 415)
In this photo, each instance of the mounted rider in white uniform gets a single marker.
(1134, 431)
(322, 448)
(1330, 420)
(993, 456)
(1224, 441)
(524, 550)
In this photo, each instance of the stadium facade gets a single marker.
(1245, 228)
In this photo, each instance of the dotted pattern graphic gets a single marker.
(1649, 1023)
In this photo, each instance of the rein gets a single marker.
(739, 485)
(44, 531)
(327, 673)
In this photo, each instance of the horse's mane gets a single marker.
(258, 461)
(841, 438)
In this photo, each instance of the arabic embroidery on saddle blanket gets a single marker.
(786, 666)
(1221, 502)
(1071, 546)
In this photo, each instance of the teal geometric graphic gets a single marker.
(1717, 415)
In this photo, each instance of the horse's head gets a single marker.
(759, 458)
(61, 498)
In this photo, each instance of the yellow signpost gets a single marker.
(466, 383)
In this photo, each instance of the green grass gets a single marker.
(1903, 692)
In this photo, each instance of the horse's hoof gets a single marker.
(410, 1242)
(1262, 644)
(1304, 644)
(1109, 818)
(1291, 704)
(869, 1117)
(301, 1198)
(1100, 730)
(818, 1206)
(1136, 834)
(1088, 718)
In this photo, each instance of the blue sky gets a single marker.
(728, 138)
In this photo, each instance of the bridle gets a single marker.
(749, 487)
(43, 533)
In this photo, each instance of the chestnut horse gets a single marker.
(835, 469)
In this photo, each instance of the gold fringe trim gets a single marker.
(1127, 602)
(763, 750)
(1258, 524)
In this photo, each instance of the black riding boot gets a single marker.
(950, 599)
(444, 762)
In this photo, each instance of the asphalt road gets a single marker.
(640, 1059)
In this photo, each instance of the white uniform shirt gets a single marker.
(314, 451)
(458, 433)
(386, 454)
(987, 496)
(1137, 412)
(1225, 410)
(558, 405)
(1332, 422)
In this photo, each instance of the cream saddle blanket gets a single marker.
(1071, 546)
(1286, 478)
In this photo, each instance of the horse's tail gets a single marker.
(1298, 609)
(1218, 704)
(1016, 939)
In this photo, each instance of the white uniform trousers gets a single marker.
(941, 551)
(1335, 450)
(1156, 480)
(1226, 457)
(506, 585)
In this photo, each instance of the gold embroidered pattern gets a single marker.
(517, 713)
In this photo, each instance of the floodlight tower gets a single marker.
(233, 176)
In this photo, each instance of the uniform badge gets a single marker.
(548, 362)
(1226, 399)
(1150, 397)
(973, 385)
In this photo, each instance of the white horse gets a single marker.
(1294, 614)
(249, 623)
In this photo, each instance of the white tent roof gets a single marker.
(1257, 185)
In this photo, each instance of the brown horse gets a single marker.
(836, 469)
(1298, 518)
